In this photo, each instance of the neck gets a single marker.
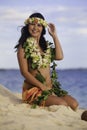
(37, 39)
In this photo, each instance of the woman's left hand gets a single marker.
(52, 29)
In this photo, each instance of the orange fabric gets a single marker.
(31, 94)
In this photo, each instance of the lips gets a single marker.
(34, 31)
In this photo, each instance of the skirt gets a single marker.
(31, 95)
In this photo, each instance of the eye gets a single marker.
(39, 25)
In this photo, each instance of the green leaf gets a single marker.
(52, 54)
(34, 66)
(34, 106)
(45, 97)
(40, 77)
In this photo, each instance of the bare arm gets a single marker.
(24, 70)
(58, 49)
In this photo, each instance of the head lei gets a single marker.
(36, 20)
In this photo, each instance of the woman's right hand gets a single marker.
(52, 29)
(43, 87)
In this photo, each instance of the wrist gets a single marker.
(55, 37)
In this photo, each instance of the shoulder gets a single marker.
(20, 50)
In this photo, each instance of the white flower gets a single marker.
(35, 55)
(36, 20)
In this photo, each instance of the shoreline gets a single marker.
(80, 68)
(16, 115)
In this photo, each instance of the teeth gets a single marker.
(34, 31)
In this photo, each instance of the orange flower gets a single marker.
(35, 21)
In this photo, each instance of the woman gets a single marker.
(34, 58)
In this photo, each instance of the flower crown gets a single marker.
(36, 20)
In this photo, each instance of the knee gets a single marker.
(74, 105)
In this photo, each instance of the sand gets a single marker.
(16, 115)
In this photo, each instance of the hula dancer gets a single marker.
(35, 55)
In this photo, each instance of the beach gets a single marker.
(16, 115)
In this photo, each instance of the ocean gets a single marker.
(72, 80)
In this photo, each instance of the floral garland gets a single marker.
(36, 20)
(32, 51)
(56, 89)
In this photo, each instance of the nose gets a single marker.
(35, 26)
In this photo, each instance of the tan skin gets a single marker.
(35, 30)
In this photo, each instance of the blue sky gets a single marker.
(69, 16)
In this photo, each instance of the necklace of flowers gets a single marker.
(33, 52)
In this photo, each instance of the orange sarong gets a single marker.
(31, 95)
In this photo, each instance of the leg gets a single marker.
(70, 101)
(54, 100)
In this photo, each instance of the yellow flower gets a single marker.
(32, 51)
(36, 20)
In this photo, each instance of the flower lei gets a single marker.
(36, 20)
(32, 51)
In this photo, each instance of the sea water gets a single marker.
(72, 80)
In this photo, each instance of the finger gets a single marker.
(51, 25)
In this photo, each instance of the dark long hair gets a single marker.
(25, 34)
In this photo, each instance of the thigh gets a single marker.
(54, 100)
